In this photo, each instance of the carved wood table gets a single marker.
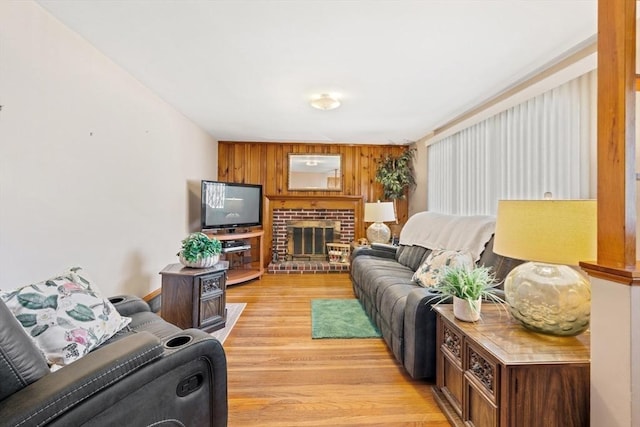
(494, 372)
(195, 297)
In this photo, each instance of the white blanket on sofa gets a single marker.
(454, 232)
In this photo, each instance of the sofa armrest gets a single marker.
(57, 392)
(420, 333)
(129, 304)
(377, 250)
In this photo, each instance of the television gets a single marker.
(229, 205)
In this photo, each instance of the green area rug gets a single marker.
(340, 318)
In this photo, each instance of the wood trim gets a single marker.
(624, 276)
(152, 295)
(616, 134)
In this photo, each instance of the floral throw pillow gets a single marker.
(66, 316)
(428, 274)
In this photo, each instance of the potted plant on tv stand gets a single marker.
(199, 251)
(467, 287)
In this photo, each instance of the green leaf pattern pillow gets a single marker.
(428, 274)
(66, 316)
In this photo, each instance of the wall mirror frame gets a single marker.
(315, 172)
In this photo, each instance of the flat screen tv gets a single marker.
(228, 205)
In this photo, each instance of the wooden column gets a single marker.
(616, 133)
(615, 276)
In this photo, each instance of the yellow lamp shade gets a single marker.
(552, 231)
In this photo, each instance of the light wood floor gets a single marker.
(279, 376)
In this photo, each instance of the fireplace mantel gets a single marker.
(314, 202)
(272, 202)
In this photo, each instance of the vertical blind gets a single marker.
(546, 144)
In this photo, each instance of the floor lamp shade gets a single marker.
(377, 214)
(545, 294)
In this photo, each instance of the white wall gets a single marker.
(95, 170)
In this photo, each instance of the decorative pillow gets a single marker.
(66, 316)
(428, 274)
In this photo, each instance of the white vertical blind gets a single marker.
(544, 144)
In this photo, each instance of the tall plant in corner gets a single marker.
(395, 173)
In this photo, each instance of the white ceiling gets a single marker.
(245, 70)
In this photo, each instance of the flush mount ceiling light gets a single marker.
(325, 102)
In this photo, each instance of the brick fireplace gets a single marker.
(282, 211)
(308, 239)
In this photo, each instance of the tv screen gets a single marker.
(230, 205)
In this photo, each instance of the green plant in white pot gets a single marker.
(200, 251)
(468, 287)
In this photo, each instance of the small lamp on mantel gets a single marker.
(378, 213)
(546, 294)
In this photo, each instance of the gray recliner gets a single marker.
(150, 373)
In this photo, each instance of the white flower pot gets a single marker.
(201, 263)
(465, 311)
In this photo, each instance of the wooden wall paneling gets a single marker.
(267, 164)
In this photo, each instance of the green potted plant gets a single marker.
(200, 251)
(395, 173)
(468, 287)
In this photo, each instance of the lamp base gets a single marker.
(378, 232)
(549, 298)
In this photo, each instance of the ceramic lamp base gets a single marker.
(549, 298)
(378, 232)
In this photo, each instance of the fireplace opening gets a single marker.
(307, 239)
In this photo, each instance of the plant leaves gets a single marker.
(39, 330)
(51, 302)
(64, 323)
(27, 320)
(31, 300)
(81, 313)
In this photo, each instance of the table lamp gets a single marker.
(378, 213)
(546, 294)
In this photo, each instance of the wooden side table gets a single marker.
(194, 297)
(494, 372)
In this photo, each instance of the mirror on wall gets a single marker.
(315, 172)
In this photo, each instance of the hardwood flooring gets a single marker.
(279, 376)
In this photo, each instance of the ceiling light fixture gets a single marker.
(325, 102)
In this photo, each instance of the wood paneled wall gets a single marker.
(267, 164)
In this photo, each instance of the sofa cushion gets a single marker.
(66, 316)
(428, 274)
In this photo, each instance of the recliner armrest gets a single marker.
(54, 393)
(129, 304)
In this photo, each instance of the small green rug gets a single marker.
(340, 318)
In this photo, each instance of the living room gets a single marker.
(100, 171)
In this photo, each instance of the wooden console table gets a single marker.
(497, 373)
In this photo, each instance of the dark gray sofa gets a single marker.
(382, 280)
(150, 373)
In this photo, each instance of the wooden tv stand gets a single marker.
(242, 271)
